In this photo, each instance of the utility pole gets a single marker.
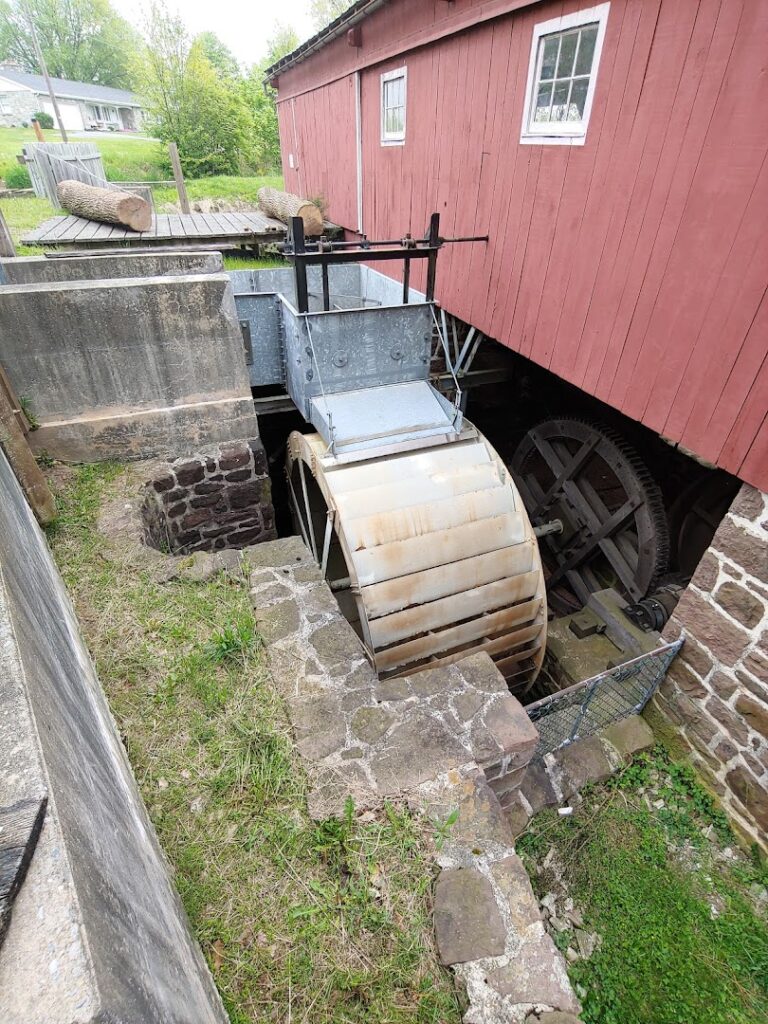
(44, 69)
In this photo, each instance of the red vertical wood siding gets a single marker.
(635, 266)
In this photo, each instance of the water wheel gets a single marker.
(614, 527)
(430, 553)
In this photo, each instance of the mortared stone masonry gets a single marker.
(716, 691)
(218, 498)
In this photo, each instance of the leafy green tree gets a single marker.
(84, 40)
(323, 12)
(260, 98)
(220, 56)
(282, 41)
(189, 103)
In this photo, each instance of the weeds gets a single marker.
(643, 857)
(318, 922)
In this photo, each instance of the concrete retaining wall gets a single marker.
(97, 931)
(35, 269)
(128, 368)
(716, 691)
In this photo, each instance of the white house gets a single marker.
(83, 105)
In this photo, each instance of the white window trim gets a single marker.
(574, 134)
(394, 138)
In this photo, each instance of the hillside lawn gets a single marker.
(126, 158)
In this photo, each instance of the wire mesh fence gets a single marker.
(587, 707)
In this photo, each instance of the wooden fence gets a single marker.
(51, 162)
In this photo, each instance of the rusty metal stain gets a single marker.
(440, 554)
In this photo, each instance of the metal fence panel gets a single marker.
(589, 706)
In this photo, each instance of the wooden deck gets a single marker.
(228, 230)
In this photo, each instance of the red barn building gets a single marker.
(615, 155)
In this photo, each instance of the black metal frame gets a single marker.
(326, 253)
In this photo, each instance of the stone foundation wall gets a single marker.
(716, 691)
(218, 498)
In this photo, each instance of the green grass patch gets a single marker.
(125, 157)
(682, 941)
(326, 922)
(221, 187)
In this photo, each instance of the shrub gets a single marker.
(43, 119)
(17, 176)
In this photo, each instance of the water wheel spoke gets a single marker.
(615, 528)
(561, 471)
(601, 537)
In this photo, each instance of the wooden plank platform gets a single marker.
(168, 230)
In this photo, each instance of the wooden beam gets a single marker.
(181, 188)
(7, 248)
(23, 463)
(20, 827)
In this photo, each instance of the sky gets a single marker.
(243, 25)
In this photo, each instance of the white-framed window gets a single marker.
(562, 73)
(393, 103)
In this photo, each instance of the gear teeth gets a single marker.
(645, 485)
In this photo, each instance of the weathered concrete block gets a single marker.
(97, 931)
(36, 269)
(128, 368)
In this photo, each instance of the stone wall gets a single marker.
(17, 107)
(97, 931)
(716, 692)
(219, 498)
(428, 739)
(128, 368)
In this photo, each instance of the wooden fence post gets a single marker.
(7, 248)
(23, 462)
(181, 188)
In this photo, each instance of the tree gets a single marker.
(188, 102)
(260, 97)
(323, 12)
(220, 56)
(282, 41)
(84, 40)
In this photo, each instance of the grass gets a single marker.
(682, 941)
(300, 921)
(221, 187)
(125, 157)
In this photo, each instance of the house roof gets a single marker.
(356, 12)
(66, 89)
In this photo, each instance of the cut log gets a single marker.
(284, 205)
(108, 205)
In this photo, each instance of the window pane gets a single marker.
(567, 53)
(541, 110)
(578, 98)
(586, 50)
(560, 100)
(549, 59)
